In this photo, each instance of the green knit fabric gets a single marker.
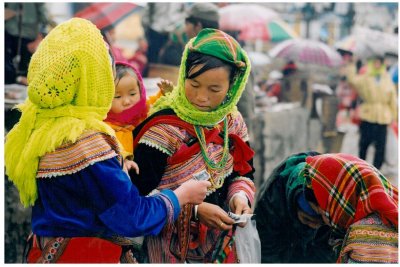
(215, 43)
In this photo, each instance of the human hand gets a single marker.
(129, 165)
(192, 191)
(165, 86)
(213, 216)
(239, 205)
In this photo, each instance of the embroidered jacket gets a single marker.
(153, 155)
(84, 192)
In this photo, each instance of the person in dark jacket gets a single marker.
(289, 230)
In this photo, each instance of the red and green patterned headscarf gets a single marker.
(349, 189)
(215, 43)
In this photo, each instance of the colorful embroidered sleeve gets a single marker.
(237, 126)
(370, 241)
(165, 138)
(240, 183)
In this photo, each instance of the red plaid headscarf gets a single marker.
(349, 189)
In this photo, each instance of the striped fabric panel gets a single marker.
(169, 138)
(370, 241)
(177, 174)
(164, 137)
(242, 184)
(90, 148)
(237, 125)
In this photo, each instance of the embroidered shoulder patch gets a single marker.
(69, 158)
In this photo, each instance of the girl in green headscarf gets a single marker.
(196, 132)
(66, 162)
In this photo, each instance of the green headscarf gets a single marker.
(70, 90)
(215, 43)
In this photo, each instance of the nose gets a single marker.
(202, 96)
(126, 101)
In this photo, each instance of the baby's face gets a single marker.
(127, 94)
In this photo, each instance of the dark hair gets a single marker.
(380, 58)
(121, 71)
(112, 57)
(209, 62)
(204, 23)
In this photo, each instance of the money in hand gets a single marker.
(240, 218)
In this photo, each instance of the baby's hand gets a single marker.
(129, 165)
(165, 86)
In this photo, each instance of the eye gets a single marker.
(133, 93)
(117, 96)
(194, 85)
(215, 89)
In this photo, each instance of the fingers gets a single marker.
(224, 227)
(243, 210)
(135, 166)
(199, 190)
(205, 184)
(226, 219)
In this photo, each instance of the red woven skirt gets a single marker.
(74, 250)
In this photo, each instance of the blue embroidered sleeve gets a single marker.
(99, 200)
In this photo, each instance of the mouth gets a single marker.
(202, 108)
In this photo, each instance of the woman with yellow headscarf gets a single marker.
(196, 133)
(66, 163)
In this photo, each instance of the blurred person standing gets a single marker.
(205, 15)
(26, 22)
(138, 59)
(378, 108)
(158, 21)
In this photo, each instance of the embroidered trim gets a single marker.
(53, 250)
(151, 144)
(169, 205)
(90, 148)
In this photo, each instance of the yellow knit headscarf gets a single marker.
(70, 90)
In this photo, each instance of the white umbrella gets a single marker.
(258, 59)
(236, 17)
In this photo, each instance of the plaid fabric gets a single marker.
(349, 189)
(219, 44)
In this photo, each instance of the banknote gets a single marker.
(240, 218)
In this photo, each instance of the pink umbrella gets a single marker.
(107, 15)
(272, 31)
(307, 51)
(236, 17)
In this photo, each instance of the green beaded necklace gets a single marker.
(203, 146)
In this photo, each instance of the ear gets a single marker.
(198, 27)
